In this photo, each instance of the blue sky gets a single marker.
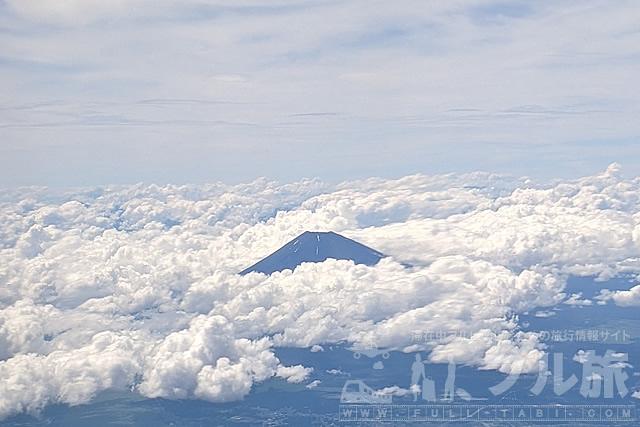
(99, 92)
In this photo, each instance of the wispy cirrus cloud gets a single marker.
(405, 76)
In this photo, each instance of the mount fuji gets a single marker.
(315, 247)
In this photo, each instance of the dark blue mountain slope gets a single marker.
(315, 247)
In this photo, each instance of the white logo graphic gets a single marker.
(370, 350)
(356, 391)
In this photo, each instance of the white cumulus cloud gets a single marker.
(630, 298)
(137, 286)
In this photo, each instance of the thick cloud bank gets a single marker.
(137, 287)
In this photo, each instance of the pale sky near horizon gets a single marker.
(116, 91)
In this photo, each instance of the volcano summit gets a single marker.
(315, 247)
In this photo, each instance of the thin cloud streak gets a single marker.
(394, 74)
